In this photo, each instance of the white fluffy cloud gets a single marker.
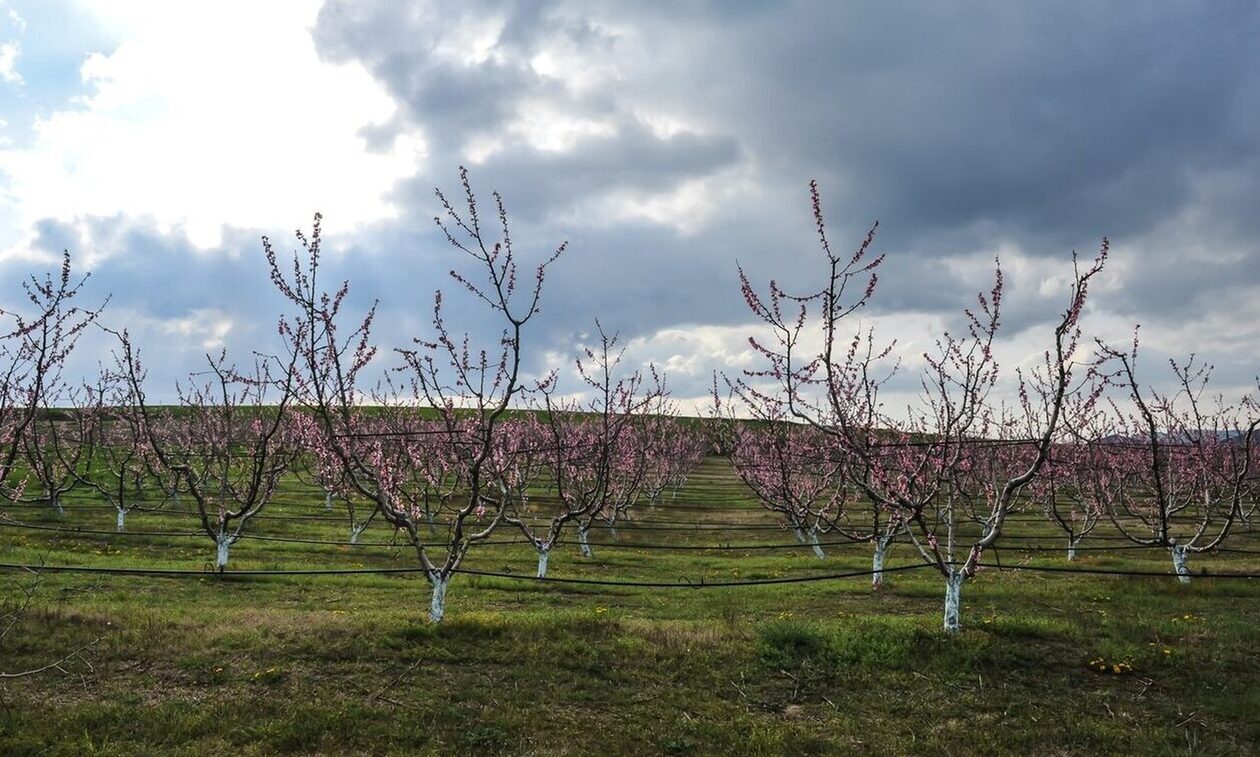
(11, 27)
(206, 115)
(8, 60)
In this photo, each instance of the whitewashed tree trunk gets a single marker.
(224, 542)
(612, 531)
(584, 543)
(799, 534)
(356, 531)
(544, 554)
(953, 601)
(1179, 556)
(877, 564)
(813, 541)
(1071, 555)
(328, 500)
(122, 520)
(437, 606)
(54, 499)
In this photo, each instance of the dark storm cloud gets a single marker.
(1051, 124)
(402, 46)
(965, 128)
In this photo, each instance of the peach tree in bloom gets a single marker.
(1171, 469)
(467, 389)
(908, 463)
(593, 453)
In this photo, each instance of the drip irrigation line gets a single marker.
(93, 532)
(641, 525)
(403, 545)
(653, 524)
(634, 526)
(260, 537)
(1062, 548)
(567, 542)
(701, 584)
(1105, 572)
(685, 584)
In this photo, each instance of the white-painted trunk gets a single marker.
(1072, 548)
(612, 531)
(877, 564)
(54, 499)
(543, 556)
(584, 543)
(1179, 556)
(813, 541)
(953, 601)
(355, 531)
(328, 501)
(122, 521)
(437, 606)
(221, 557)
(432, 523)
(799, 534)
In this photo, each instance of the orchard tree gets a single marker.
(53, 449)
(790, 470)
(592, 453)
(33, 350)
(230, 447)
(673, 448)
(1174, 468)
(1065, 493)
(106, 417)
(908, 464)
(469, 390)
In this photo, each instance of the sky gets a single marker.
(668, 143)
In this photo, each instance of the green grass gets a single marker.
(347, 664)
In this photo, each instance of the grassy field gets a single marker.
(348, 664)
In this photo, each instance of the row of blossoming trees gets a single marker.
(437, 449)
(438, 452)
(1085, 440)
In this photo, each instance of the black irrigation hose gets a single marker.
(299, 540)
(689, 525)
(602, 545)
(628, 525)
(93, 532)
(1102, 572)
(292, 539)
(700, 584)
(638, 508)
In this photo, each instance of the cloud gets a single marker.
(11, 27)
(667, 143)
(203, 116)
(9, 52)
